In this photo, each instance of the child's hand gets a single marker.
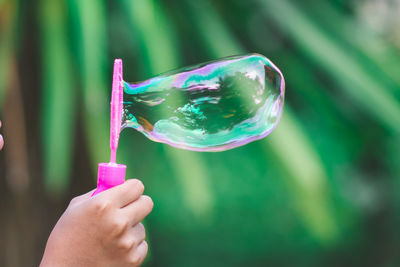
(103, 230)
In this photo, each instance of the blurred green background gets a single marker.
(321, 190)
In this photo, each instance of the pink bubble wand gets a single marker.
(112, 174)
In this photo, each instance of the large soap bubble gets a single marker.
(212, 106)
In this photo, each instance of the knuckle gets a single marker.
(119, 226)
(126, 245)
(102, 206)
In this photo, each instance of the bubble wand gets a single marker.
(212, 106)
(112, 174)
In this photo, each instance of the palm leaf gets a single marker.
(58, 113)
(314, 206)
(353, 77)
(90, 32)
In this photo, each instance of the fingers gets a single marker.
(138, 210)
(123, 194)
(134, 244)
(137, 255)
(133, 237)
(139, 232)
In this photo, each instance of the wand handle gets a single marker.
(112, 174)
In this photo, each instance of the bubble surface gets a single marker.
(213, 106)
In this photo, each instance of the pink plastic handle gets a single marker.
(112, 174)
(109, 175)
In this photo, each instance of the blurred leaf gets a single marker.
(290, 144)
(315, 207)
(58, 103)
(155, 34)
(7, 41)
(380, 56)
(219, 41)
(354, 79)
(90, 31)
(332, 131)
(369, 49)
(193, 176)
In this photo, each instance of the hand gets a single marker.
(103, 230)
(1, 140)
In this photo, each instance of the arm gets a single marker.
(103, 230)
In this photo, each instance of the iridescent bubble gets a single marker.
(212, 106)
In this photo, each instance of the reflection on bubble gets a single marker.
(212, 106)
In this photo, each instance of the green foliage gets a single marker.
(59, 104)
(347, 71)
(89, 33)
(306, 174)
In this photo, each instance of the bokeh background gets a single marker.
(321, 190)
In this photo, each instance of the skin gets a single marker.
(104, 230)
(1, 140)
